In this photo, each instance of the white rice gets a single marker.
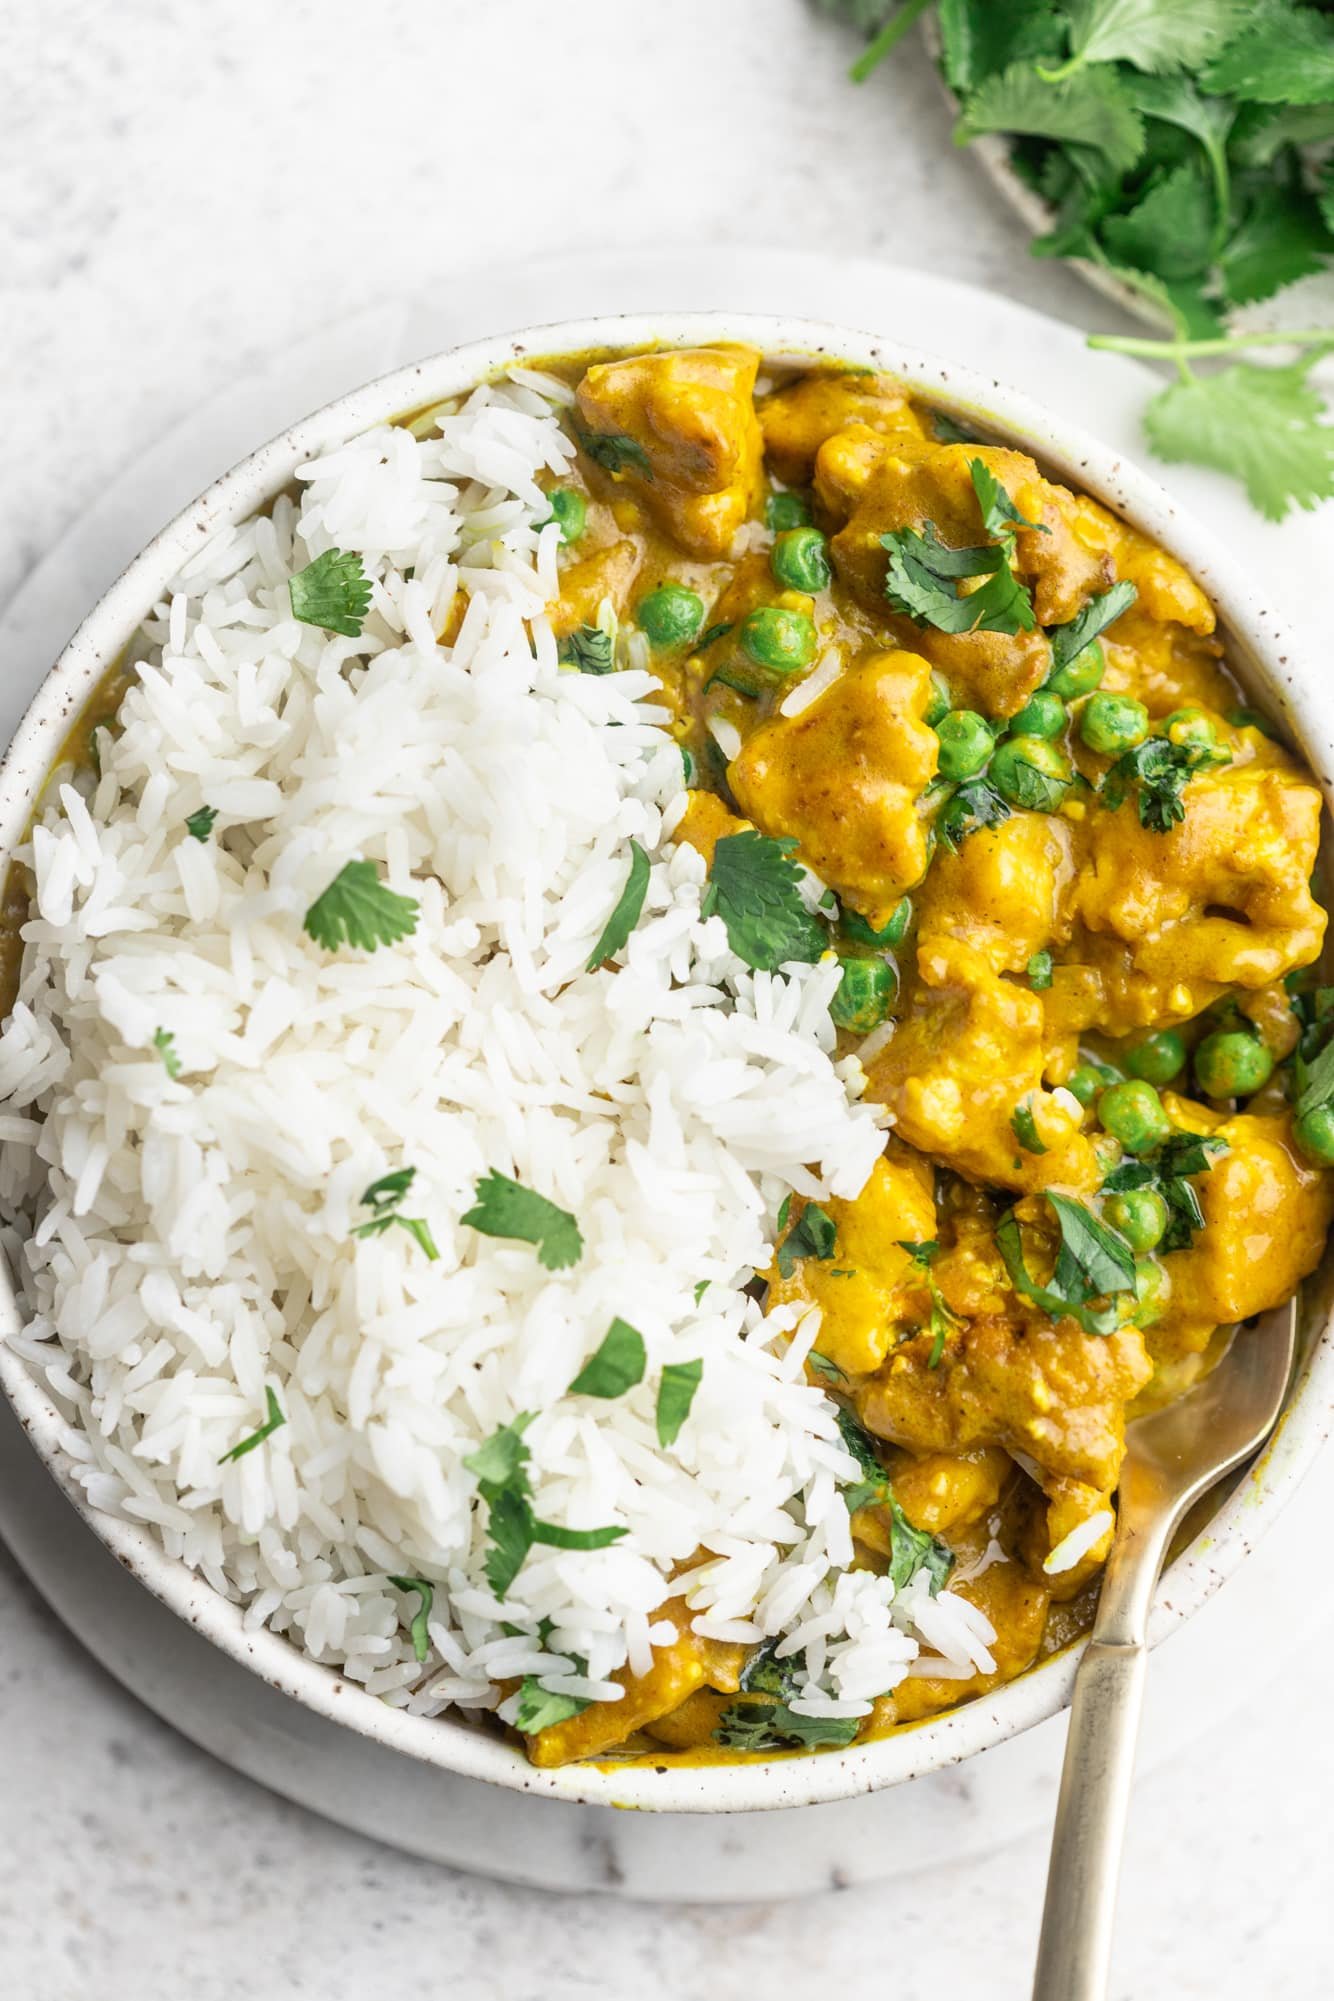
(185, 1246)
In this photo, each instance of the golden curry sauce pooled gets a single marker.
(1067, 872)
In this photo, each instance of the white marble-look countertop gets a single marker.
(182, 190)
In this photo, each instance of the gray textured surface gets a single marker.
(161, 221)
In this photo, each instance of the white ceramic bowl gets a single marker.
(1263, 654)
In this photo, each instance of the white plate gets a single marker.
(946, 1816)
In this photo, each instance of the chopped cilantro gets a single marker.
(1166, 1169)
(199, 824)
(772, 1726)
(923, 575)
(421, 1639)
(1039, 971)
(922, 1252)
(615, 452)
(811, 1236)
(504, 1208)
(1069, 640)
(824, 1368)
(1000, 516)
(590, 648)
(539, 1708)
(1094, 1262)
(358, 909)
(972, 805)
(676, 1393)
(615, 1366)
(333, 592)
(500, 1464)
(165, 1044)
(913, 1549)
(1024, 1127)
(755, 888)
(626, 913)
(275, 1418)
(1157, 771)
(383, 1198)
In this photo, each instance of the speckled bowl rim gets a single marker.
(1264, 652)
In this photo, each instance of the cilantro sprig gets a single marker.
(1182, 146)
(1157, 772)
(754, 887)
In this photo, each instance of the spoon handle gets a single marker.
(1074, 1952)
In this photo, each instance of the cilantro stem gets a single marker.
(1179, 350)
(893, 31)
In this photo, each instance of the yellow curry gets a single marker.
(1067, 872)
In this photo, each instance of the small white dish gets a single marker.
(1266, 658)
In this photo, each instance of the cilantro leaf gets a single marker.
(1104, 609)
(615, 1366)
(165, 1044)
(504, 1208)
(1151, 34)
(754, 888)
(828, 1371)
(999, 513)
(1325, 194)
(1039, 970)
(1090, 108)
(510, 1527)
(627, 910)
(333, 592)
(772, 1726)
(1093, 1261)
(676, 1393)
(979, 38)
(500, 1461)
(922, 1253)
(1032, 788)
(1166, 1169)
(873, 1487)
(358, 909)
(1168, 231)
(811, 1236)
(501, 1466)
(199, 824)
(1281, 237)
(1317, 1083)
(421, 1639)
(1264, 426)
(911, 1550)
(921, 579)
(974, 804)
(275, 1418)
(589, 648)
(765, 1674)
(1024, 1127)
(615, 452)
(539, 1708)
(1284, 55)
(556, 1537)
(1158, 771)
(1174, 100)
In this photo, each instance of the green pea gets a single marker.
(1158, 1059)
(1188, 726)
(1113, 723)
(965, 744)
(670, 616)
(570, 510)
(1043, 714)
(786, 510)
(783, 641)
(1039, 971)
(1231, 1063)
(938, 702)
(892, 931)
(1253, 719)
(798, 560)
(865, 994)
(1133, 1113)
(1081, 675)
(1085, 1081)
(1028, 771)
(1140, 1215)
(1314, 1132)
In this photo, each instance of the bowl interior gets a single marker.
(1262, 653)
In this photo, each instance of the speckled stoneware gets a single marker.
(1263, 654)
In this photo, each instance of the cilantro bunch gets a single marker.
(1187, 148)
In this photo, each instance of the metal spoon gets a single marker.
(1175, 1455)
